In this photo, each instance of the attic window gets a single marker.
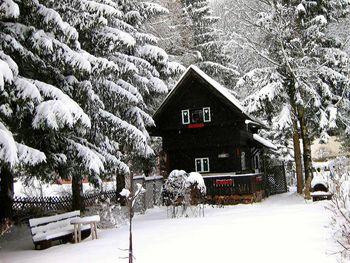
(196, 116)
(185, 116)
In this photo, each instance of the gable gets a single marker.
(196, 90)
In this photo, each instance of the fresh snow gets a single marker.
(264, 142)
(283, 228)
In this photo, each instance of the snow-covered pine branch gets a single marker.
(8, 9)
(58, 112)
(133, 136)
(90, 159)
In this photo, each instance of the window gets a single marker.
(206, 114)
(185, 116)
(202, 164)
(243, 164)
(196, 115)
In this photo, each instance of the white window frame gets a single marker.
(204, 120)
(202, 161)
(182, 116)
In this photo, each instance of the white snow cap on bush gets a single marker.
(125, 192)
(196, 178)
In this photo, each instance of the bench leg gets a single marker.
(75, 233)
(93, 230)
(79, 231)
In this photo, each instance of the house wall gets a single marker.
(225, 133)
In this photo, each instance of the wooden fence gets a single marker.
(23, 206)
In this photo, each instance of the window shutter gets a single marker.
(198, 165)
(185, 116)
(206, 114)
(205, 165)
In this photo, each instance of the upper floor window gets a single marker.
(196, 115)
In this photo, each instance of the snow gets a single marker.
(265, 142)
(91, 160)
(196, 178)
(282, 227)
(153, 53)
(58, 112)
(6, 74)
(8, 8)
(8, 148)
(219, 88)
(300, 9)
(125, 192)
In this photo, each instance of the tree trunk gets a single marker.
(306, 146)
(77, 193)
(6, 193)
(120, 186)
(131, 215)
(297, 157)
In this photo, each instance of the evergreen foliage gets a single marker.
(209, 42)
(306, 84)
(78, 80)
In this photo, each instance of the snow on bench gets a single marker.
(57, 227)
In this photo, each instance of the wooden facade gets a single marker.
(205, 129)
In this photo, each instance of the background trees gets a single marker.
(301, 88)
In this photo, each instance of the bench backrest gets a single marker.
(48, 224)
(35, 222)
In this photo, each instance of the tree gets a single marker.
(306, 81)
(36, 117)
(190, 36)
(129, 74)
(92, 52)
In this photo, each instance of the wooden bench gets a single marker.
(58, 227)
(321, 195)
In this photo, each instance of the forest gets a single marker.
(80, 80)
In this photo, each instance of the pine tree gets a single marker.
(127, 76)
(208, 42)
(306, 85)
(37, 52)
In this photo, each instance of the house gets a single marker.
(204, 128)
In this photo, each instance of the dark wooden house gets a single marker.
(204, 128)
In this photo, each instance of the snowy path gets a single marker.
(283, 228)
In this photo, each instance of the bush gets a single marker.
(340, 205)
(183, 189)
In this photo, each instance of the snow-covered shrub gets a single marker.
(183, 190)
(340, 205)
(111, 214)
(174, 187)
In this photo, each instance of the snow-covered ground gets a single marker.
(283, 228)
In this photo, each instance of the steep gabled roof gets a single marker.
(216, 87)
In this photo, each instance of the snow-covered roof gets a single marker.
(264, 142)
(219, 88)
(224, 92)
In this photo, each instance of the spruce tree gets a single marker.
(37, 51)
(305, 87)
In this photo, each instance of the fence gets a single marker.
(276, 182)
(27, 206)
